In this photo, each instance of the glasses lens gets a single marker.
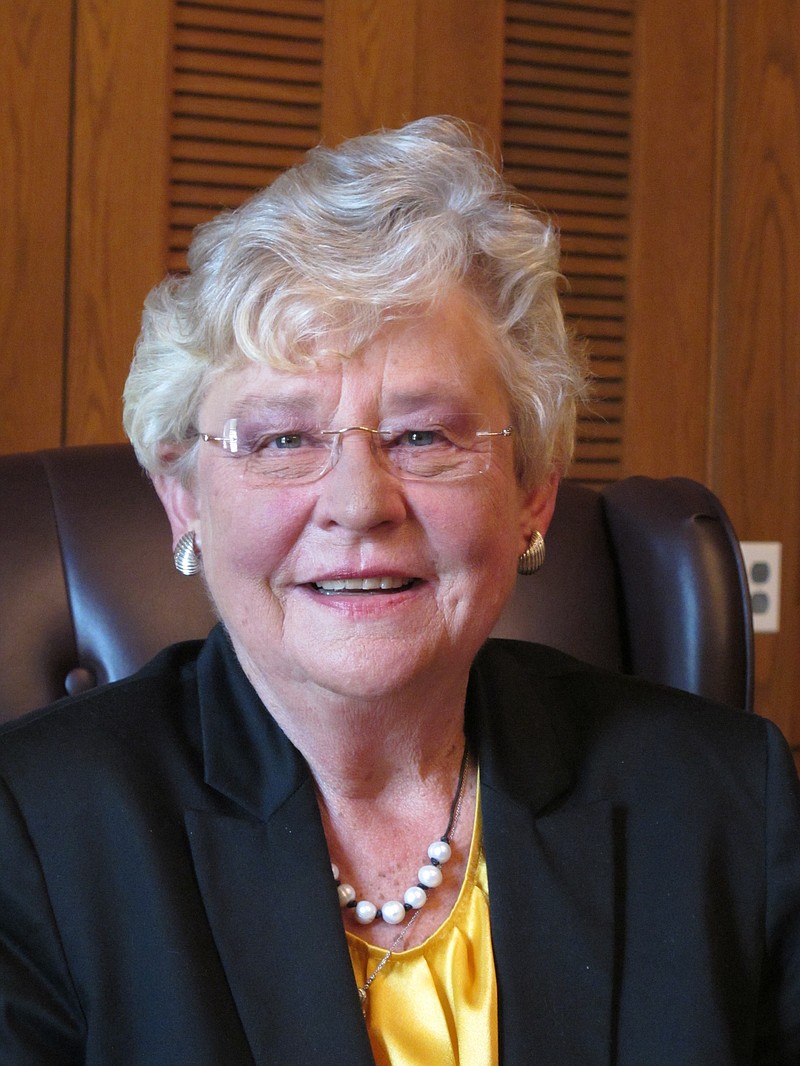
(293, 456)
(421, 450)
(441, 451)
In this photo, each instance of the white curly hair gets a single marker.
(378, 228)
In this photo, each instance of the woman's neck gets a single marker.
(386, 768)
(368, 747)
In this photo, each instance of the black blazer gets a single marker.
(166, 899)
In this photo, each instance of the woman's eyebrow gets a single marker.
(434, 400)
(423, 400)
(274, 406)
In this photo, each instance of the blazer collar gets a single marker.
(247, 756)
(509, 721)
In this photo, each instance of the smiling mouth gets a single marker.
(363, 584)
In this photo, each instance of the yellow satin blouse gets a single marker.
(437, 1002)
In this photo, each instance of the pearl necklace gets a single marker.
(415, 897)
(429, 875)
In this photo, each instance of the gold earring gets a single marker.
(187, 555)
(533, 556)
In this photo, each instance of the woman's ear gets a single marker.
(180, 503)
(537, 509)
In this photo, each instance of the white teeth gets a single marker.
(361, 584)
(393, 582)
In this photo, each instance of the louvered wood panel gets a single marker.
(566, 145)
(246, 103)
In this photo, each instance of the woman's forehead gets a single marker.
(408, 364)
(320, 391)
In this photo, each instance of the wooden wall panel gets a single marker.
(390, 61)
(246, 103)
(756, 443)
(671, 292)
(369, 67)
(119, 195)
(567, 117)
(34, 138)
(459, 64)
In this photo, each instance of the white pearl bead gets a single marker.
(393, 911)
(335, 871)
(430, 876)
(346, 894)
(415, 897)
(365, 911)
(439, 850)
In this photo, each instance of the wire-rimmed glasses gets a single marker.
(423, 450)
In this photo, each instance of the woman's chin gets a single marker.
(371, 668)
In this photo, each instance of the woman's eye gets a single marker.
(276, 442)
(420, 438)
(287, 440)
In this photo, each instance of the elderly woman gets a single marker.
(346, 829)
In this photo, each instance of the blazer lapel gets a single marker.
(551, 866)
(552, 905)
(264, 873)
(276, 923)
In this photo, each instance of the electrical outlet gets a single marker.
(762, 560)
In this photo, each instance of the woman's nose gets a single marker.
(359, 491)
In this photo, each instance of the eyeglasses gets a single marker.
(436, 451)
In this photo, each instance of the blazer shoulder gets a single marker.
(522, 664)
(124, 712)
(502, 652)
(600, 715)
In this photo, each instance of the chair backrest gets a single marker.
(645, 577)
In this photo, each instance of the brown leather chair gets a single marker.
(645, 577)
